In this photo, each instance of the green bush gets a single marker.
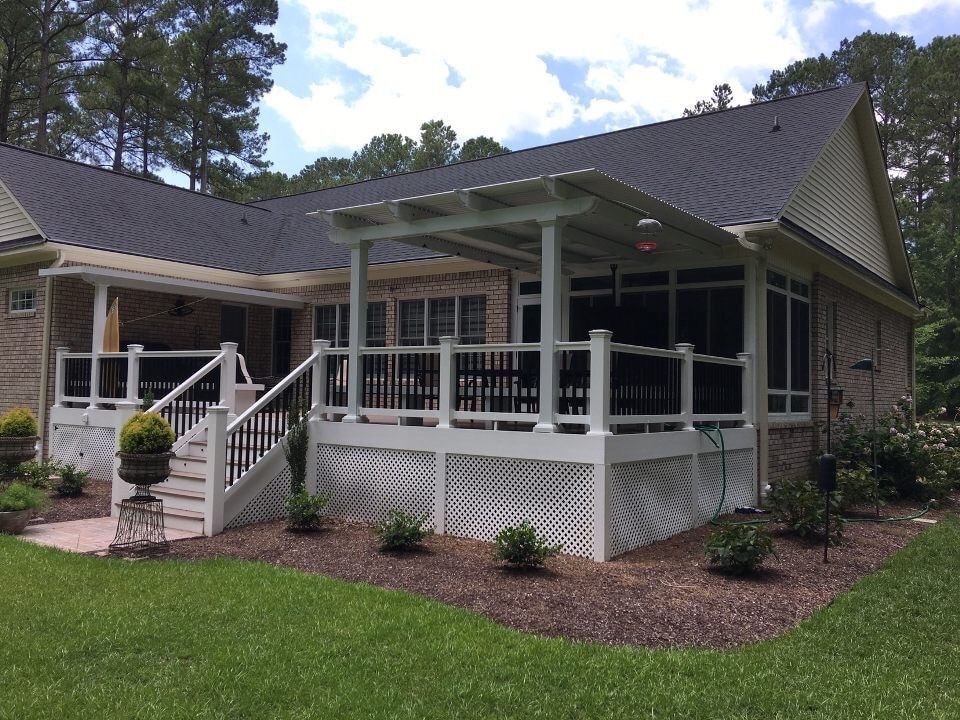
(296, 445)
(520, 545)
(856, 487)
(18, 422)
(305, 511)
(37, 473)
(18, 497)
(798, 504)
(146, 433)
(72, 481)
(401, 531)
(738, 549)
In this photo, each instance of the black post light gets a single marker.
(868, 364)
(827, 469)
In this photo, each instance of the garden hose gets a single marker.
(920, 513)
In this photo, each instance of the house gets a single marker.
(696, 271)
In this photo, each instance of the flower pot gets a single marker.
(16, 450)
(144, 469)
(14, 522)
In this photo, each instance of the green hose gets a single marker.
(719, 444)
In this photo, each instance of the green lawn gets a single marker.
(83, 637)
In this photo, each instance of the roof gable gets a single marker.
(15, 223)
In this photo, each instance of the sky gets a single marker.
(529, 72)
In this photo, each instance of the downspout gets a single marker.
(45, 357)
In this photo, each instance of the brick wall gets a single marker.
(494, 284)
(793, 446)
(21, 338)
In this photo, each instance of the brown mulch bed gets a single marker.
(661, 595)
(93, 503)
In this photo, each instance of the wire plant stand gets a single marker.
(140, 528)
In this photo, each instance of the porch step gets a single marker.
(189, 475)
(180, 519)
(164, 489)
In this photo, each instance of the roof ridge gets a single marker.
(128, 176)
(557, 143)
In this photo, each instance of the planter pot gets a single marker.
(16, 450)
(144, 469)
(14, 522)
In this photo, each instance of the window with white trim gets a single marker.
(332, 322)
(788, 345)
(23, 300)
(424, 322)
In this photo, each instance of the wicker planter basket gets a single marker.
(14, 522)
(15, 450)
(144, 469)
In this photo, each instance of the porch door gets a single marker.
(233, 325)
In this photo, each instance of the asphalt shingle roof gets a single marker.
(728, 167)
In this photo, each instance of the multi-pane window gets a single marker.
(424, 322)
(282, 333)
(788, 344)
(23, 300)
(332, 322)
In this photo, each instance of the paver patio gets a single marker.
(84, 536)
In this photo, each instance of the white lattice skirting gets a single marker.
(269, 504)
(89, 448)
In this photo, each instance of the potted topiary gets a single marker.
(17, 503)
(18, 436)
(144, 452)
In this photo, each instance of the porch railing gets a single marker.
(601, 384)
(136, 374)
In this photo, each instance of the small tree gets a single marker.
(295, 447)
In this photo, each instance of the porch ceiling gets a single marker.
(498, 223)
(173, 286)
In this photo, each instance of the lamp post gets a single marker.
(870, 365)
(827, 471)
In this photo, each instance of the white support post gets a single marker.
(228, 376)
(359, 253)
(601, 512)
(600, 382)
(96, 342)
(448, 381)
(686, 384)
(58, 377)
(119, 488)
(746, 384)
(440, 495)
(213, 493)
(318, 385)
(133, 373)
(551, 235)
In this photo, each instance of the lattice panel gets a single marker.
(486, 494)
(89, 448)
(741, 485)
(366, 483)
(269, 504)
(649, 501)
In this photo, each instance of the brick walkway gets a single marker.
(83, 536)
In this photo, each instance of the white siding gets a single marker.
(14, 223)
(836, 202)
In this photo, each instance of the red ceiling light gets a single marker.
(646, 246)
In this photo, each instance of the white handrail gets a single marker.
(177, 353)
(496, 347)
(270, 396)
(717, 360)
(642, 350)
(182, 387)
(582, 345)
(401, 350)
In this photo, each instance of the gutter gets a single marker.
(45, 357)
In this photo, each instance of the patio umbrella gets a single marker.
(111, 331)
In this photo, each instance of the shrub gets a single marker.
(738, 549)
(799, 506)
(72, 481)
(304, 511)
(18, 497)
(401, 531)
(18, 422)
(856, 487)
(296, 446)
(146, 433)
(37, 472)
(520, 545)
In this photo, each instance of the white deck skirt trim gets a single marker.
(171, 285)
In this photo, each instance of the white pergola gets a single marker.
(548, 225)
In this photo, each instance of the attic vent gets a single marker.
(776, 124)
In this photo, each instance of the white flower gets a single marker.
(921, 433)
(893, 431)
(926, 447)
(942, 411)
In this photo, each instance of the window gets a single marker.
(282, 327)
(332, 322)
(424, 322)
(788, 344)
(711, 319)
(23, 300)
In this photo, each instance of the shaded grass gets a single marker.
(85, 637)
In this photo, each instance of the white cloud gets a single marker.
(891, 10)
(633, 62)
